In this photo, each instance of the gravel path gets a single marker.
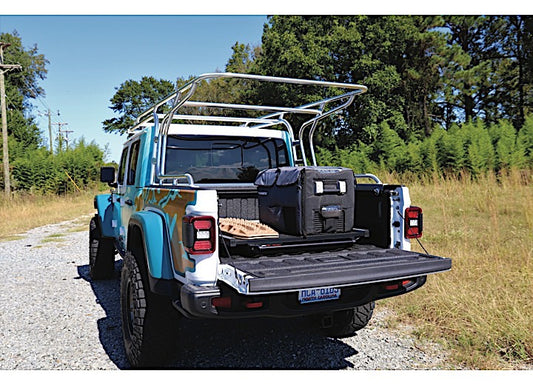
(52, 316)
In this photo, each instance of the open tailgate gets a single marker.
(360, 264)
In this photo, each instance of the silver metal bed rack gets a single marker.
(275, 115)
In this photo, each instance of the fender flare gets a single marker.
(154, 240)
(104, 206)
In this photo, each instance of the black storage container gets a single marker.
(306, 200)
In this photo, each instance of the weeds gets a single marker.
(483, 306)
(25, 212)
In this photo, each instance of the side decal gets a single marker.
(172, 203)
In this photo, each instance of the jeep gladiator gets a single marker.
(187, 213)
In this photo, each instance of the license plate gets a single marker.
(318, 294)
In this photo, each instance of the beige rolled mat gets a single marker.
(242, 228)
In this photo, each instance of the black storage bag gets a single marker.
(306, 200)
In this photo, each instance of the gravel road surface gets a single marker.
(52, 316)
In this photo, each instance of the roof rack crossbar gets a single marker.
(296, 110)
(229, 119)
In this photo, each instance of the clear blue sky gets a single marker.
(91, 55)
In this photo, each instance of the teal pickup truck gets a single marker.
(228, 215)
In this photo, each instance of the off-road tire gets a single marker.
(346, 322)
(149, 322)
(101, 253)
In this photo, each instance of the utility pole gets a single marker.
(5, 154)
(50, 131)
(60, 134)
(66, 135)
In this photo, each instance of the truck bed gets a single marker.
(358, 264)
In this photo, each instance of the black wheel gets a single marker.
(149, 322)
(101, 253)
(344, 323)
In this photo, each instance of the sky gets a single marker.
(90, 56)
(93, 48)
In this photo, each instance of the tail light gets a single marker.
(199, 234)
(413, 222)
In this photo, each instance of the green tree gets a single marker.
(450, 149)
(485, 75)
(389, 54)
(479, 153)
(242, 58)
(428, 152)
(41, 172)
(513, 45)
(503, 136)
(524, 141)
(21, 88)
(468, 70)
(389, 149)
(134, 97)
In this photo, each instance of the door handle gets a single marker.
(129, 202)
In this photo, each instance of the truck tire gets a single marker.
(101, 253)
(149, 322)
(346, 322)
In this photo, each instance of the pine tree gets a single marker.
(450, 150)
(503, 137)
(479, 156)
(524, 141)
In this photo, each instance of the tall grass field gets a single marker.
(25, 212)
(483, 308)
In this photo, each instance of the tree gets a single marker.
(503, 136)
(242, 57)
(515, 47)
(42, 172)
(479, 152)
(392, 55)
(21, 88)
(524, 141)
(134, 97)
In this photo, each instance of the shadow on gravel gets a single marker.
(265, 343)
(259, 344)
(107, 294)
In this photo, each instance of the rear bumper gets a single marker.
(268, 286)
(196, 302)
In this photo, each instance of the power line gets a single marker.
(36, 94)
(48, 114)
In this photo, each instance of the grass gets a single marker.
(53, 238)
(482, 309)
(26, 212)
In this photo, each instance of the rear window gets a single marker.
(223, 159)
